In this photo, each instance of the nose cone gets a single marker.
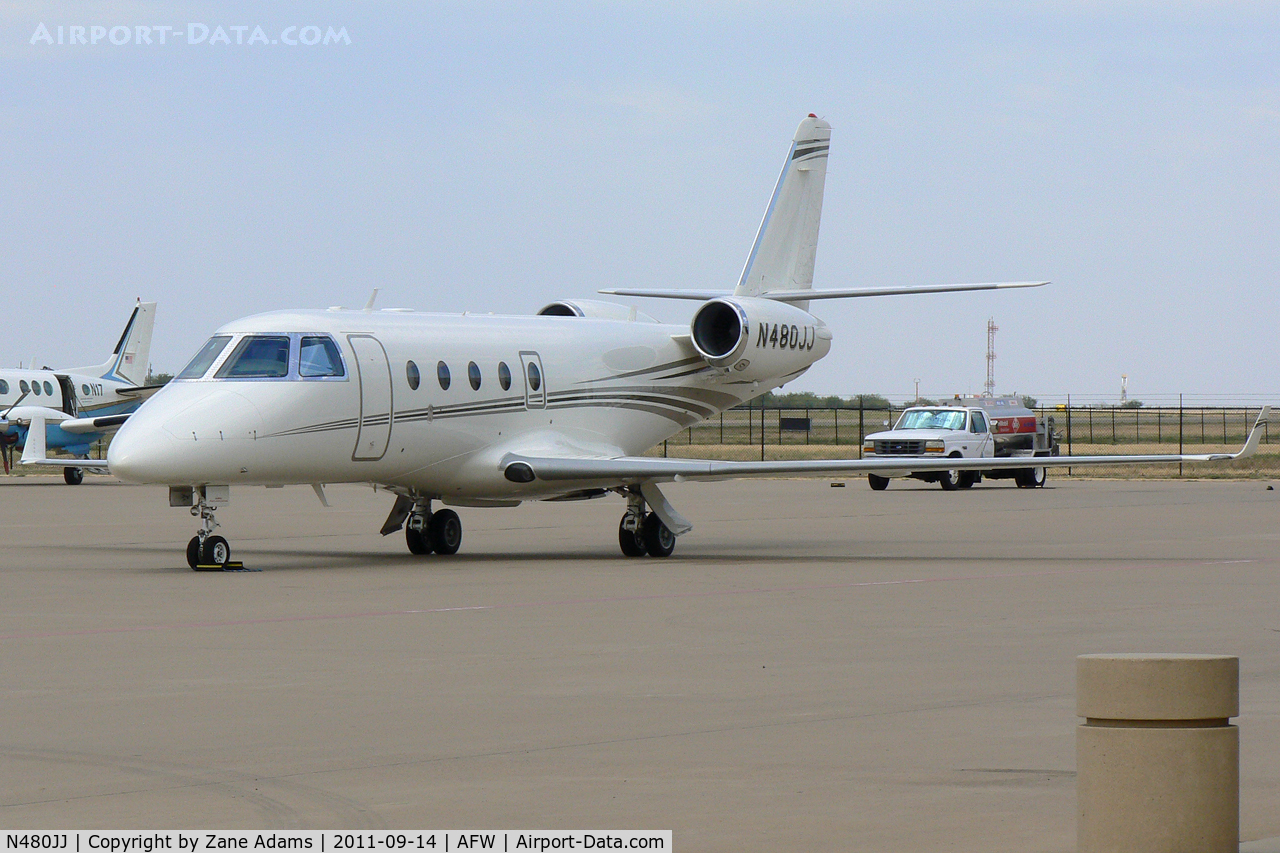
(142, 452)
(191, 433)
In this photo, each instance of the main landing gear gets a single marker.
(425, 531)
(641, 532)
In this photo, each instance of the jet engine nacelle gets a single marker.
(596, 309)
(758, 338)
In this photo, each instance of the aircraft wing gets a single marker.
(106, 423)
(35, 452)
(138, 391)
(641, 469)
(806, 295)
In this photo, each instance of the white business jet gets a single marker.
(489, 411)
(70, 408)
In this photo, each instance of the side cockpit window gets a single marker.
(258, 357)
(319, 357)
(208, 355)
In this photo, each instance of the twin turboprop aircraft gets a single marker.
(490, 411)
(71, 408)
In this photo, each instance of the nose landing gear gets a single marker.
(205, 549)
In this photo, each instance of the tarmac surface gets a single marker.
(815, 668)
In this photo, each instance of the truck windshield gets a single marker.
(931, 419)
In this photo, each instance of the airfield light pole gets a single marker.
(990, 385)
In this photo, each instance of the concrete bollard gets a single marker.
(1157, 759)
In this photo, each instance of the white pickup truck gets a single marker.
(971, 428)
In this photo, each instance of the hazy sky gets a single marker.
(495, 157)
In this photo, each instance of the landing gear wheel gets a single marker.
(215, 551)
(193, 552)
(659, 541)
(877, 483)
(73, 476)
(445, 532)
(417, 541)
(631, 541)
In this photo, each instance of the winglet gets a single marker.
(1255, 435)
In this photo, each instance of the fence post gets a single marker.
(762, 432)
(861, 431)
(1068, 432)
(1179, 433)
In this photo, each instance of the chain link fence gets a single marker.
(755, 433)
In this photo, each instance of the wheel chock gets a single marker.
(230, 566)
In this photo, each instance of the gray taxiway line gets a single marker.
(816, 668)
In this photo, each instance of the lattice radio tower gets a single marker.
(990, 385)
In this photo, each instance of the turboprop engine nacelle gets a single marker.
(758, 338)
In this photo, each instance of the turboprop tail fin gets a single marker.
(129, 361)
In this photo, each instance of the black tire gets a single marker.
(631, 541)
(444, 532)
(215, 551)
(659, 541)
(967, 479)
(193, 552)
(1031, 478)
(877, 483)
(950, 480)
(417, 541)
(73, 476)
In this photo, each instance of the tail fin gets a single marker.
(783, 254)
(130, 358)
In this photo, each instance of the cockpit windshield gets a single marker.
(284, 355)
(208, 355)
(931, 419)
(258, 357)
(319, 357)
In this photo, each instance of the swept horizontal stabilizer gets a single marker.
(806, 295)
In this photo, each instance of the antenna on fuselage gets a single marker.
(368, 306)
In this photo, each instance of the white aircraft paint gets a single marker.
(71, 408)
(494, 410)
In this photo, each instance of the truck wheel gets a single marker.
(878, 483)
(1031, 478)
(949, 480)
(967, 479)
